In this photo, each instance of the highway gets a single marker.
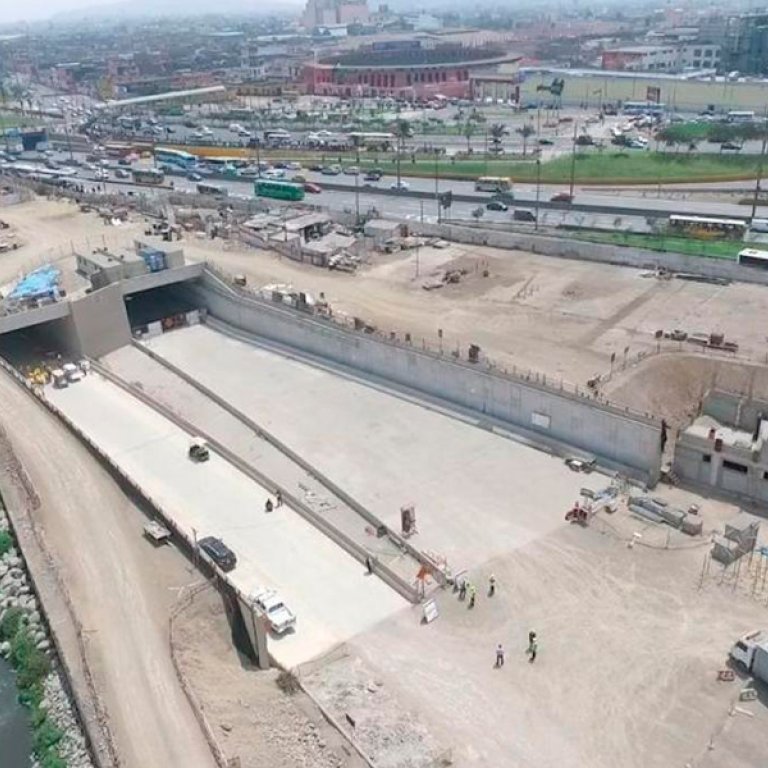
(344, 192)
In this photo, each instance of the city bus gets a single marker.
(175, 157)
(216, 190)
(493, 184)
(280, 190)
(380, 141)
(707, 228)
(643, 108)
(750, 257)
(740, 116)
(150, 176)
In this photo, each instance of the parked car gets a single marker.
(331, 170)
(293, 166)
(400, 186)
(193, 176)
(731, 145)
(121, 173)
(219, 552)
(496, 205)
(280, 617)
(314, 189)
(562, 197)
(351, 170)
(524, 215)
(316, 168)
(546, 142)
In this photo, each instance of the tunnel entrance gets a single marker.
(157, 304)
(43, 344)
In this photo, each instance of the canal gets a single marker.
(15, 732)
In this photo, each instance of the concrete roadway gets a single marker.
(328, 590)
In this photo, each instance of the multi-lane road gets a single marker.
(343, 192)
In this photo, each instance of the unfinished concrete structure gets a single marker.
(725, 446)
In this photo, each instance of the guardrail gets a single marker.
(351, 547)
(310, 469)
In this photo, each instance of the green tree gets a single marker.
(497, 131)
(526, 131)
(468, 131)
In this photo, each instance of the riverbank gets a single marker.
(57, 740)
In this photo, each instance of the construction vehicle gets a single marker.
(751, 651)
(198, 449)
(72, 372)
(59, 379)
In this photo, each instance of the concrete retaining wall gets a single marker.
(552, 417)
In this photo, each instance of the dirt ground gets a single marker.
(122, 602)
(255, 720)
(560, 317)
(630, 643)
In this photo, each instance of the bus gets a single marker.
(493, 184)
(707, 228)
(380, 141)
(280, 190)
(114, 149)
(175, 157)
(643, 108)
(216, 190)
(740, 116)
(150, 176)
(750, 257)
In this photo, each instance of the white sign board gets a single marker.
(431, 611)
(540, 420)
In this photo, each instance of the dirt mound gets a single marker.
(671, 385)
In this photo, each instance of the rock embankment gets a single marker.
(25, 642)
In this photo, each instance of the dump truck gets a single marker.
(751, 651)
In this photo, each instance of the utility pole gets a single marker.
(538, 191)
(437, 179)
(573, 157)
(760, 169)
(357, 188)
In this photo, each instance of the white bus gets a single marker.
(750, 257)
(740, 116)
(706, 227)
(493, 184)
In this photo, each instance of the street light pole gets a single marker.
(357, 189)
(437, 180)
(756, 196)
(573, 157)
(538, 191)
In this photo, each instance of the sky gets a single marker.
(36, 10)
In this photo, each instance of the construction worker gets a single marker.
(472, 593)
(491, 585)
(278, 498)
(369, 565)
(499, 655)
(532, 647)
(463, 589)
(268, 506)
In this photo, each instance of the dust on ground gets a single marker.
(253, 719)
(564, 318)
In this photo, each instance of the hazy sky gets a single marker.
(34, 10)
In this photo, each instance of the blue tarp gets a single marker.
(38, 284)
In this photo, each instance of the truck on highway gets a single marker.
(280, 617)
(751, 651)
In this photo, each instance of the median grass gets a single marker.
(713, 249)
(591, 166)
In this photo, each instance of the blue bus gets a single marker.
(175, 157)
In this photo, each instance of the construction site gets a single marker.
(387, 499)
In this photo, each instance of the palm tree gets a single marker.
(525, 131)
(468, 131)
(402, 131)
(497, 132)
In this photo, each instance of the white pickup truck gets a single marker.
(752, 651)
(280, 617)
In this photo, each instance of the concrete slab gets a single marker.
(327, 589)
(477, 494)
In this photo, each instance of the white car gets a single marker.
(279, 616)
(400, 185)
